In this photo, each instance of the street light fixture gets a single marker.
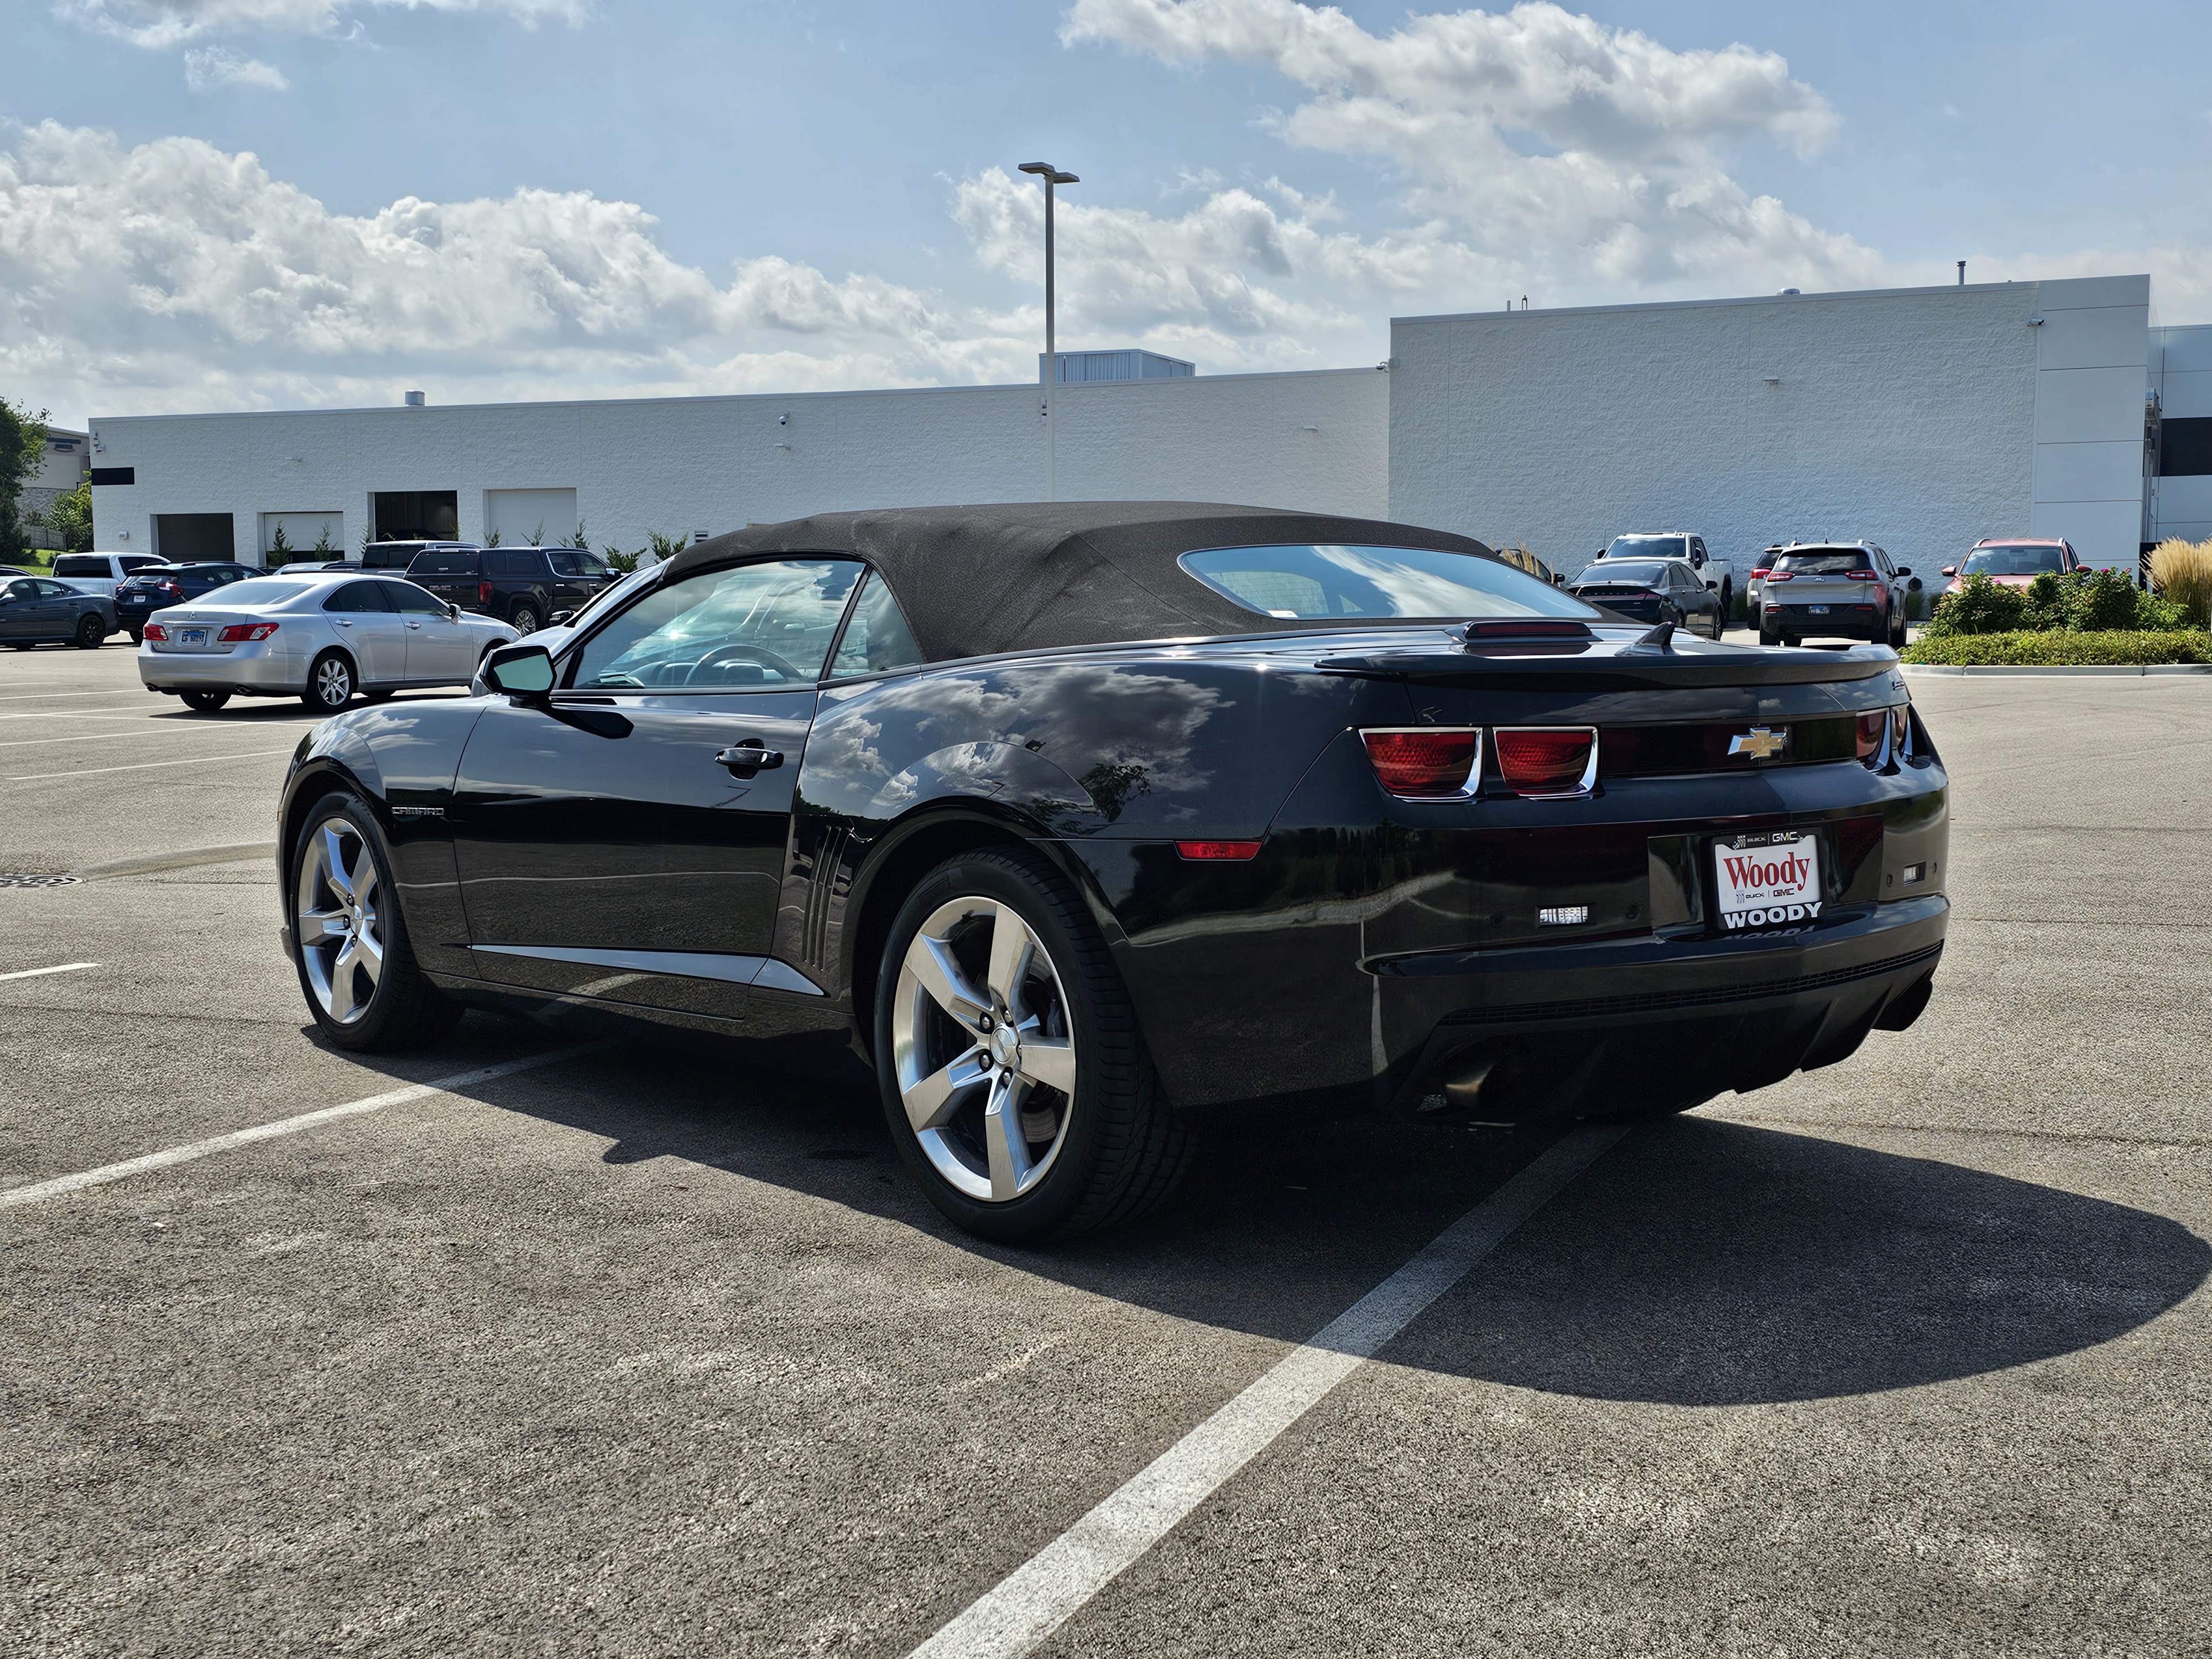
(1049, 373)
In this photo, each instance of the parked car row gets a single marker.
(525, 587)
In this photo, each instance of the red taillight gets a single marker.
(1234, 850)
(1424, 763)
(1884, 736)
(1548, 759)
(153, 630)
(1764, 570)
(1777, 575)
(241, 633)
(483, 592)
(1866, 575)
(1871, 730)
(171, 588)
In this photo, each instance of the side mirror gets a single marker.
(520, 670)
(559, 619)
(1904, 570)
(1950, 569)
(452, 611)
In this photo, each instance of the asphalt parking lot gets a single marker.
(651, 1349)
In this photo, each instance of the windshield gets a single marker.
(1312, 581)
(265, 590)
(2013, 560)
(1625, 570)
(1649, 547)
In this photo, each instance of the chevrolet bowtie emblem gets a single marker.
(1758, 742)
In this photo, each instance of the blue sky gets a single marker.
(209, 203)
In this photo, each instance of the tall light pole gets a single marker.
(1049, 375)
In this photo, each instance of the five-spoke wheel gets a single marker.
(981, 1044)
(341, 937)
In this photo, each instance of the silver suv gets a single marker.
(1832, 589)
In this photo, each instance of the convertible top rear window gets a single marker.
(1325, 582)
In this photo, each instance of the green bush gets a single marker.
(2063, 648)
(2080, 602)
(1981, 605)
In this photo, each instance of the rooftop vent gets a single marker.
(1076, 367)
(416, 400)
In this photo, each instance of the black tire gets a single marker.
(1124, 1148)
(91, 632)
(330, 683)
(138, 636)
(525, 617)
(205, 702)
(404, 1010)
(1768, 636)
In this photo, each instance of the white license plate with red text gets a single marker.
(1768, 881)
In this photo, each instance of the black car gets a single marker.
(40, 610)
(397, 557)
(524, 587)
(1082, 820)
(1654, 591)
(158, 587)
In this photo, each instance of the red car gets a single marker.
(2015, 560)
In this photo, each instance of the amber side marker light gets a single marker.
(1234, 851)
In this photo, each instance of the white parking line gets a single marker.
(1040, 1596)
(32, 973)
(143, 766)
(42, 697)
(285, 1126)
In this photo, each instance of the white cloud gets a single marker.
(159, 25)
(174, 275)
(209, 67)
(1587, 156)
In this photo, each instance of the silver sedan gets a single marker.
(319, 637)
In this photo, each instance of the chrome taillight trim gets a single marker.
(1590, 770)
(1474, 772)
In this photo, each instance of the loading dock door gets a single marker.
(182, 537)
(411, 515)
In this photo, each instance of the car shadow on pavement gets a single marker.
(1699, 1262)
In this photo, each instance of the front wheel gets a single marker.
(90, 632)
(350, 939)
(330, 683)
(1014, 1077)
(205, 702)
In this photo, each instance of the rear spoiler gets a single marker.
(1599, 664)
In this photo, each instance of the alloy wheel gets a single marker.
(335, 914)
(333, 683)
(982, 1049)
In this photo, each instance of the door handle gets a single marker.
(344, 623)
(743, 759)
(418, 627)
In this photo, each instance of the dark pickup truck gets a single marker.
(523, 587)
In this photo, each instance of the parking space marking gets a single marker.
(33, 973)
(41, 697)
(143, 766)
(1041, 1594)
(285, 1126)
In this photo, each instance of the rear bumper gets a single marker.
(1849, 620)
(1650, 1024)
(253, 669)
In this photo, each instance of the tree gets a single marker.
(68, 517)
(22, 452)
(280, 547)
(323, 550)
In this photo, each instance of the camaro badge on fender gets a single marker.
(1759, 743)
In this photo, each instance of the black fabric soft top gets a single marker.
(1029, 575)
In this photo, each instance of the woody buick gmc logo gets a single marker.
(1768, 881)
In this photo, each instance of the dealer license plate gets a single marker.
(191, 636)
(1817, 609)
(1768, 881)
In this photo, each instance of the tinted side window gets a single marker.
(406, 596)
(565, 561)
(877, 639)
(504, 564)
(137, 561)
(756, 626)
(357, 596)
(443, 564)
(82, 564)
(23, 590)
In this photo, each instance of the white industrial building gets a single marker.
(1922, 418)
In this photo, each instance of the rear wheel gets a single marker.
(138, 636)
(350, 939)
(206, 701)
(1014, 1076)
(524, 617)
(330, 683)
(90, 631)
(1768, 636)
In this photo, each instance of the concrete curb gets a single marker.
(2129, 669)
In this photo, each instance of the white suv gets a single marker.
(1717, 573)
(99, 573)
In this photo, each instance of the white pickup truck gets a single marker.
(1720, 574)
(99, 573)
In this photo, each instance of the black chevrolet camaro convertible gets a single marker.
(1087, 819)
